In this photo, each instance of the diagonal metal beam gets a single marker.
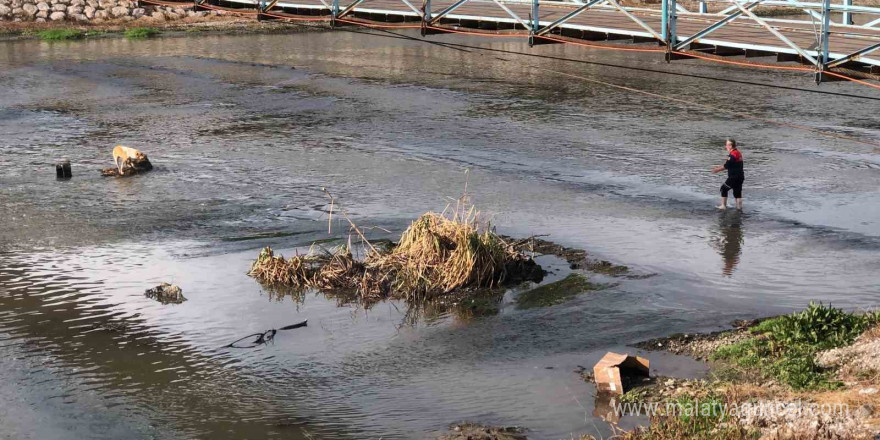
(714, 26)
(349, 8)
(778, 34)
(794, 3)
(873, 23)
(447, 10)
(636, 19)
(569, 16)
(513, 14)
(853, 56)
(417, 10)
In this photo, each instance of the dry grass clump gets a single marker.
(440, 253)
(437, 254)
(329, 271)
(275, 270)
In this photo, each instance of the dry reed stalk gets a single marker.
(437, 254)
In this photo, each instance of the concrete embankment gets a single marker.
(93, 11)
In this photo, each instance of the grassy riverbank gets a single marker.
(813, 374)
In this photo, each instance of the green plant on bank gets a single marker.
(635, 395)
(785, 348)
(60, 34)
(141, 33)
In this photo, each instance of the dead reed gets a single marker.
(437, 254)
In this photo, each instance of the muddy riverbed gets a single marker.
(243, 132)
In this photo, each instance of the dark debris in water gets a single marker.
(474, 431)
(166, 294)
(263, 338)
(112, 326)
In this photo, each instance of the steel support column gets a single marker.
(426, 17)
(847, 15)
(826, 33)
(664, 21)
(535, 12)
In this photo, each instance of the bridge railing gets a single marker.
(786, 35)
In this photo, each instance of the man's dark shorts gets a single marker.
(733, 184)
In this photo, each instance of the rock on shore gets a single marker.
(93, 11)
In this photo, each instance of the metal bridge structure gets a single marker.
(831, 40)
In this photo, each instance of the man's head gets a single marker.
(730, 145)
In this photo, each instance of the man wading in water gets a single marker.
(735, 175)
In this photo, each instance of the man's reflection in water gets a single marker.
(728, 239)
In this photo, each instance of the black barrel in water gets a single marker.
(62, 170)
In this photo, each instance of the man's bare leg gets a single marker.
(723, 204)
(739, 203)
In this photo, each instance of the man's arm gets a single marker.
(721, 168)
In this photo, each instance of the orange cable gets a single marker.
(284, 17)
(865, 83)
(482, 34)
(235, 12)
(381, 26)
(739, 63)
(601, 46)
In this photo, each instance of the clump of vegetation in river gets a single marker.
(785, 348)
(140, 33)
(438, 254)
(61, 34)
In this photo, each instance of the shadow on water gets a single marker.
(728, 240)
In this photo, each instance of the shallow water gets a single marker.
(245, 130)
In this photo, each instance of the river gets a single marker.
(245, 130)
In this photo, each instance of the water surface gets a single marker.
(244, 131)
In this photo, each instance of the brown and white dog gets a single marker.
(127, 158)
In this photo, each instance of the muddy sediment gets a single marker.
(578, 259)
(557, 292)
(696, 345)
